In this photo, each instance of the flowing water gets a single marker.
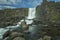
(31, 15)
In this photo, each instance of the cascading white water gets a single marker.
(31, 15)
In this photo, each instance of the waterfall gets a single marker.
(31, 15)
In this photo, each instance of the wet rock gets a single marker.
(47, 37)
(40, 39)
(14, 36)
(6, 34)
(18, 38)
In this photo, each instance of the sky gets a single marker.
(21, 3)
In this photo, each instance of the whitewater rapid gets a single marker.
(31, 15)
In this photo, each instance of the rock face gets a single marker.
(45, 38)
(19, 38)
(15, 36)
(10, 17)
(21, 32)
(48, 13)
(24, 26)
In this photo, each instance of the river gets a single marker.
(31, 15)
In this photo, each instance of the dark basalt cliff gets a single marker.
(49, 14)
